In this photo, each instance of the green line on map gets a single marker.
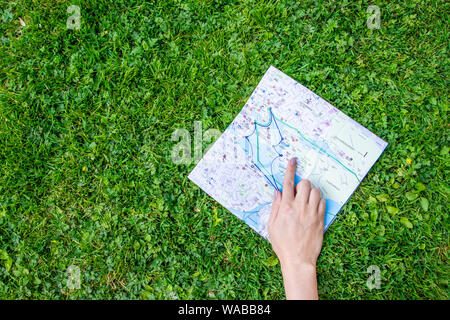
(302, 136)
(316, 146)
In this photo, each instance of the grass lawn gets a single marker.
(86, 118)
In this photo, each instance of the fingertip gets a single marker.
(318, 191)
(316, 194)
(289, 180)
(306, 182)
(293, 161)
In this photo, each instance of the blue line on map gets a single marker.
(274, 184)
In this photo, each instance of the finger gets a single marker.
(314, 198)
(275, 206)
(289, 179)
(321, 211)
(303, 190)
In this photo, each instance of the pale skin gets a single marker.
(296, 227)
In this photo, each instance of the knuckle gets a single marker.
(290, 183)
(289, 208)
(304, 210)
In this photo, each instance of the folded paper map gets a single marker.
(283, 119)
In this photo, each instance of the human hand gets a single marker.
(296, 227)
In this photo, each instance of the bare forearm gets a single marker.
(300, 281)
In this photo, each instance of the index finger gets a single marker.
(289, 180)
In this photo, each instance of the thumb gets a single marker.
(275, 206)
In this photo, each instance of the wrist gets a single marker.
(300, 279)
(297, 265)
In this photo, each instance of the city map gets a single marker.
(283, 119)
